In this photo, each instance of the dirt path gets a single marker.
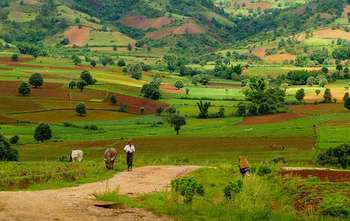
(78, 204)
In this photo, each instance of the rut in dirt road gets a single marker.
(78, 204)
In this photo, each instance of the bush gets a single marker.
(347, 103)
(14, 57)
(14, 139)
(338, 156)
(6, 152)
(87, 77)
(327, 96)
(151, 91)
(113, 99)
(24, 89)
(264, 170)
(121, 63)
(187, 187)
(241, 109)
(42, 132)
(72, 84)
(337, 206)
(233, 188)
(300, 94)
(179, 85)
(36, 80)
(80, 109)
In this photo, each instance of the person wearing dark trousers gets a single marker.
(129, 150)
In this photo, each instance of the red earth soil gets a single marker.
(135, 103)
(167, 88)
(322, 174)
(317, 109)
(188, 28)
(78, 36)
(259, 52)
(255, 5)
(270, 118)
(144, 23)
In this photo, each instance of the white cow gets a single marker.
(76, 156)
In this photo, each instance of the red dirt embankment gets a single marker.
(77, 36)
(322, 173)
(270, 118)
(144, 23)
(189, 27)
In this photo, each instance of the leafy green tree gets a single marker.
(93, 63)
(187, 187)
(327, 96)
(323, 82)
(311, 81)
(187, 91)
(346, 96)
(14, 57)
(80, 109)
(136, 71)
(300, 94)
(87, 77)
(121, 62)
(347, 103)
(241, 109)
(24, 89)
(104, 61)
(72, 84)
(179, 84)
(317, 91)
(337, 156)
(42, 132)
(324, 70)
(113, 99)
(177, 121)
(232, 189)
(129, 47)
(151, 91)
(36, 80)
(6, 152)
(14, 140)
(81, 85)
(203, 108)
(76, 60)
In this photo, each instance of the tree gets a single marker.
(327, 96)
(346, 96)
(42, 132)
(6, 152)
(121, 62)
(129, 47)
(80, 109)
(317, 91)
(104, 61)
(347, 103)
(151, 91)
(300, 94)
(93, 63)
(14, 140)
(87, 77)
(36, 80)
(311, 81)
(136, 71)
(14, 57)
(241, 109)
(177, 122)
(203, 109)
(81, 85)
(113, 99)
(76, 60)
(179, 84)
(324, 70)
(337, 156)
(24, 89)
(323, 82)
(72, 84)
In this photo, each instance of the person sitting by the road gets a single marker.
(243, 166)
(129, 150)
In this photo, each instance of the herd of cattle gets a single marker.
(110, 156)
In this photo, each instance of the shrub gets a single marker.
(252, 109)
(300, 94)
(187, 187)
(337, 206)
(187, 91)
(113, 99)
(170, 110)
(36, 80)
(221, 113)
(327, 96)
(121, 63)
(264, 108)
(203, 108)
(160, 110)
(80, 109)
(347, 103)
(42, 132)
(24, 89)
(232, 189)
(14, 139)
(179, 84)
(14, 57)
(177, 121)
(87, 77)
(6, 152)
(241, 109)
(81, 85)
(72, 84)
(151, 91)
(123, 107)
(337, 156)
(264, 170)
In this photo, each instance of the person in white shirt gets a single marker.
(129, 150)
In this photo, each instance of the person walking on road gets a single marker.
(129, 150)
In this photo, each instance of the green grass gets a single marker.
(98, 38)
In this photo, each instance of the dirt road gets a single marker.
(78, 204)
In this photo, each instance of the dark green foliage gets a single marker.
(93, 63)
(241, 109)
(42, 132)
(72, 84)
(24, 89)
(76, 60)
(347, 103)
(87, 77)
(121, 62)
(135, 71)
(14, 57)
(36, 80)
(327, 96)
(233, 188)
(81, 85)
(35, 50)
(338, 206)
(151, 91)
(142, 110)
(264, 170)
(201, 79)
(6, 152)
(337, 156)
(300, 94)
(177, 121)
(299, 77)
(187, 187)
(203, 108)
(14, 139)
(170, 110)
(80, 109)
(113, 99)
(220, 113)
(179, 84)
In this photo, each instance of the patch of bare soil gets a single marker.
(167, 88)
(256, 5)
(279, 58)
(78, 36)
(78, 204)
(189, 27)
(329, 33)
(323, 174)
(270, 118)
(144, 23)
